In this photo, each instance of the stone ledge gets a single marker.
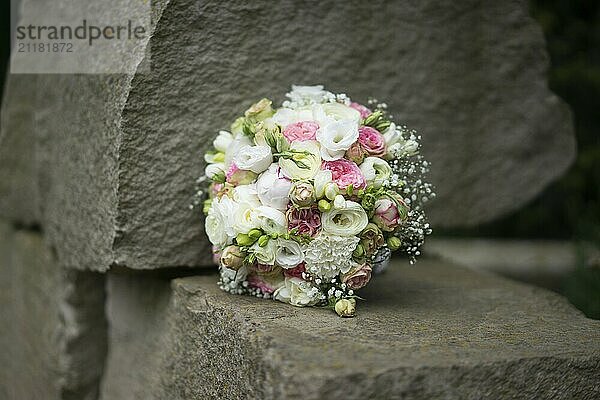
(430, 331)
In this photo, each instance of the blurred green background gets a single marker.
(568, 209)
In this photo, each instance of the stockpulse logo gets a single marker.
(84, 31)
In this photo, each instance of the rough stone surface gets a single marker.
(52, 324)
(120, 154)
(433, 331)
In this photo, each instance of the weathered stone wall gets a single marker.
(53, 333)
(116, 156)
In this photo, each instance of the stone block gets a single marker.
(18, 167)
(119, 154)
(433, 331)
(52, 324)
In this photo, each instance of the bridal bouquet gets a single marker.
(306, 201)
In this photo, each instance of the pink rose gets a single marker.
(364, 111)
(301, 131)
(389, 212)
(237, 176)
(295, 272)
(357, 277)
(306, 220)
(345, 173)
(372, 141)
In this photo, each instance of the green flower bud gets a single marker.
(394, 243)
(255, 234)
(244, 240)
(324, 205)
(263, 240)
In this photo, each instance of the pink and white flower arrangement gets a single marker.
(308, 200)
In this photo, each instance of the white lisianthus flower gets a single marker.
(376, 171)
(298, 292)
(266, 254)
(272, 220)
(305, 163)
(234, 147)
(289, 253)
(272, 189)
(253, 158)
(328, 255)
(214, 169)
(223, 141)
(337, 137)
(346, 218)
(219, 221)
(392, 135)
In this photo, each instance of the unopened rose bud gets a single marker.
(236, 127)
(232, 257)
(356, 153)
(302, 194)
(345, 307)
(206, 206)
(359, 251)
(263, 240)
(260, 111)
(324, 205)
(255, 234)
(244, 240)
(331, 190)
(394, 243)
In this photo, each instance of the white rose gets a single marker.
(246, 194)
(298, 292)
(302, 166)
(223, 141)
(346, 218)
(234, 147)
(272, 220)
(289, 253)
(253, 158)
(214, 169)
(219, 221)
(339, 112)
(246, 218)
(273, 190)
(376, 171)
(265, 255)
(337, 137)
